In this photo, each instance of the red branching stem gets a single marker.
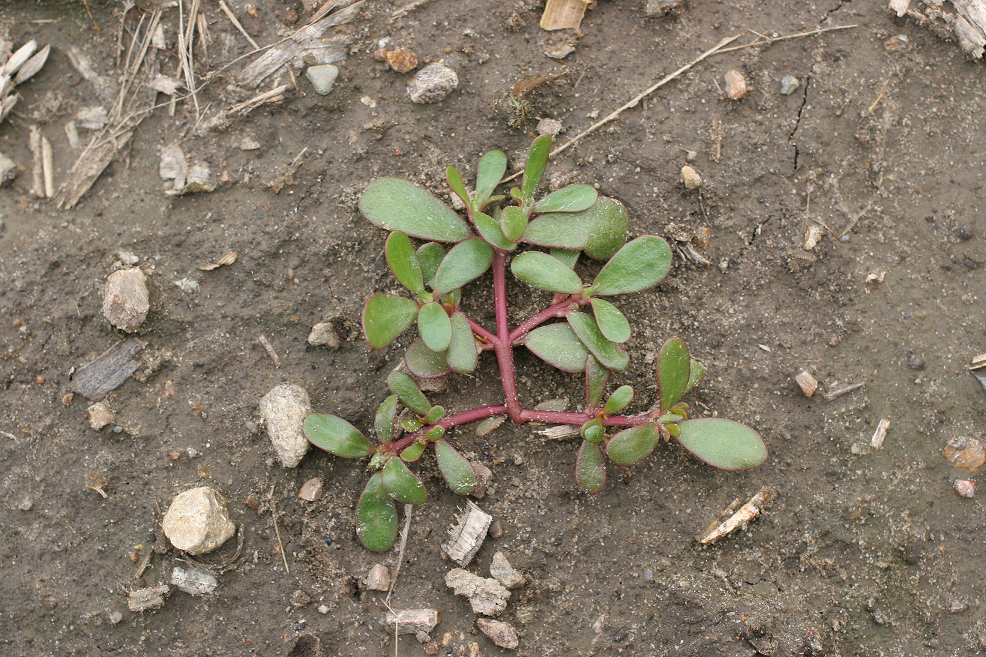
(451, 421)
(579, 419)
(482, 332)
(557, 310)
(504, 350)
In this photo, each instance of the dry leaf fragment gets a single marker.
(227, 259)
(563, 14)
(745, 514)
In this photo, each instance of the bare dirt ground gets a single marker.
(863, 552)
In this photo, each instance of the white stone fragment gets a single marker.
(735, 84)
(807, 382)
(412, 621)
(99, 415)
(378, 579)
(691, 177)
(194, 581)
(323, 334)
(144, 599)
(432, 84)
(126, 300)
(284, 410)
(812, 235)
(503, 572)
(323, 77)
(486, 596)
(197, 521)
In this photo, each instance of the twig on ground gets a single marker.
(185, 50)
(144, 562)
(277, 532)
(879, 96)
(236, 23)
(788, 37)
(91, 19)
(408, 508)
(270, 349)
(835, 394)
(407, 9)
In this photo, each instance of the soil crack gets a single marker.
(797, 122)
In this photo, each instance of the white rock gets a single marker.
(323, 77)
(378, 579)
(807, 382)
(412, 621)
(503, 572)
(126, 300)
(487, 596)
(194, 581)
(549, 127)
(284, 410)
(197, 522)
(432, 84)
(323, 334)
(99, 415)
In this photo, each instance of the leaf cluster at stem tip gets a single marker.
(436, 255)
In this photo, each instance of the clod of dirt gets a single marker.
(322, 77)
(194, 581)
(284, 409)
(549, 127)
(197, 521)
(99, 416)
(311, 490)
(402, 60)
(486, 596)
(691, 177)
(807, 382)
(378, 579)
(483, 477)
(916, 363)
(126, 300)
(503, 572)
(432, 84)
(735, 84)
(145, 599)
(657, 8)
(966, 453)
(322, 334)
(500, 633)
(413, 621)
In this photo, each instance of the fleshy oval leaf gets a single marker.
(434, 326)
(430, 255)
(383, 420)
(545, 272)
(640, 264)
(610, 223)
(435, 414)
(513, 222)
(593, 431)
(376, 516)
(600, 230)
(336, 436)
(402, 484)
(537, 160)
(398, 204)
(462, 355)
(574, 198)
(407, 390)
(619, 400)
(488, 175)
(557, 345)
(489, 229)
(596, 378)
(568, 257)
(465, 262)
(608, 353)
(633, 445)
(456, 185)
(695, 374)
(455, 468)
(385, 317)
(673, 372)
(612, 323)
(425, 363)
(403, 262)
(723, 444)
(590, 468)
(413, 452)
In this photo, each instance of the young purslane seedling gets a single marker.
(582, 331)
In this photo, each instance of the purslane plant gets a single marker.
(581, 331)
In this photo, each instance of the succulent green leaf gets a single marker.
(593, 430)
(673, 372)
(462, 356)
(434, 415)
(403, 261)
(383, 420)
(336, 436)
(513, 222)
(640, 264)
(673, 430)
(425, 363)
(411, 425)
(402, 484)
(670, 417)
(596, 378)
(435, 433)
(633, 445)
(430, 255)
(465, 262)
(385, 317)
(545, 272)
(613, 324)
(413, 452)
(398, 204)
(376, 516)
(537, 160)
(456, 185)
(489, 230)
(489, 425)
(724, 444)
(696, 374)
(608, 353)
(557, 345)
(434, 326)
(488, 175)
(407, 390)
(568, 257)
(590, 468)
(574, 198)
(600, 230)
(455, 468)
(619, 400)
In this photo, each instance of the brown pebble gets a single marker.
(40, 380)
(402, 60)
(67, 398)
(251, 10)
(735, 84)
(495, 530)
(807, 382)
(290, 16)
(311, 490)
(134, 558)
(966, 453)
(965, 488)
(500, 633)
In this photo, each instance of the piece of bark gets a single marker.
(562, 14)
(105, 374)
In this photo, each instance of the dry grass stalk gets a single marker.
(37, 163)
(236, 23)
(274, 95)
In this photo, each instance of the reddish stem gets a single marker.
(482, 332)
(451, 421)
(557, 310)
(504, 350)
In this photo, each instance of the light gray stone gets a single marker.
(432, 84)
(194, 581)
(197, 521)
(487, 596)
(500, 633)
(323, 77)
(126, 300)
(412, 621)
(145, 599)
(322, 334)
(284, 410)
(503, 572)
(788, 85)
(378, 579)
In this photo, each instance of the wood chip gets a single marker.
(108, 372)
(740, 518)
(880, 434)
(563, 14)
(227, 259)
(467, 536)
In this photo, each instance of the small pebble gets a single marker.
(964, 233)
(412, 621)
(126, 300)
(500, 633)
(691, 177)
(402, 60)
(251, 10)
(503, 572)
(115, 617)
(965, 452)
(807, 382)
(691, 156)
(323, 609)
(323, 334)
(648, 575)
(311, 490)
(735, 84)
(788, 84)
(323, 77)
(495, 530)
(99, 416)
(549, 127)
(965, 488)
(432, 84)
(378, 579)
(284, 410)
(916, 364)
(483, 477)
(197, 521)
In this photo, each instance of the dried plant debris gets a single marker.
(194, 580)
(227, 259)
(740, 518)
(17, 69)
(962, 20)
(978, 370)
(467, 536)
(108, 372)
(147, 599)
(563, 14)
